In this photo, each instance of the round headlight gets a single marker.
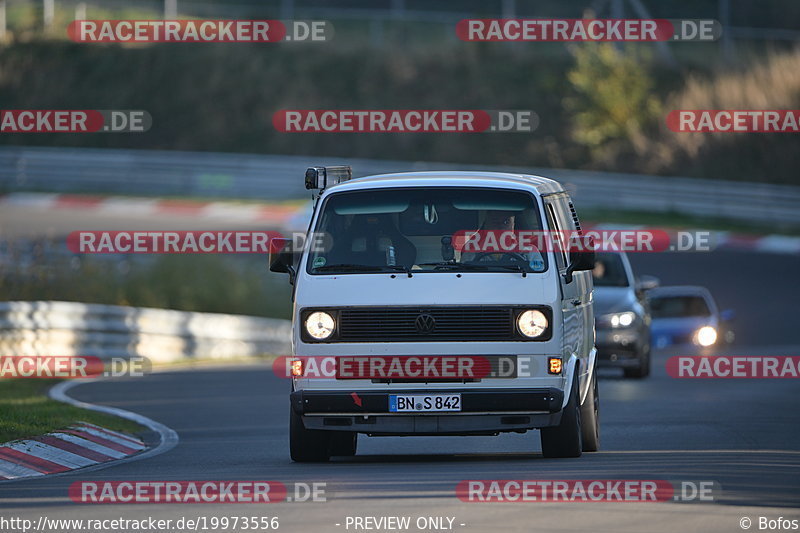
(532, 323)
(706, 336)
(622, 320)
(320, 325)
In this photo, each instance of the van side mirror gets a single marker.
(281, 257)
(581, 256)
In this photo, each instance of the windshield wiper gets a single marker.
(516, 268)
(348, 266)
(364, 268)
(453, 265)
(475, 266)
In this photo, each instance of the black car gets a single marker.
(622, 315)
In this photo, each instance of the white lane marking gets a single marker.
(50, 453)
(168, 436)
(99, 448)
(232, 211)
(14, 471)
(112, 438)
(129, 438)
(37, 200)
(115, 205)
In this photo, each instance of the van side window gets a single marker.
(563, 209)
(575, 218)
(552, 219)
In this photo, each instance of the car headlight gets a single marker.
(532, 323)
(320, 325)
(622, 320)
(705, 336)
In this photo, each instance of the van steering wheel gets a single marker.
(512, 256)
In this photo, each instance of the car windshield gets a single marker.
(425, 229)
(678, 306)
(609, 271)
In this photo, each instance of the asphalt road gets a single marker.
(232, 425)
(742, 434)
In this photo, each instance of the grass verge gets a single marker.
(211, 283)
(27, 411)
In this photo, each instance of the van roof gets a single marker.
(452, 178)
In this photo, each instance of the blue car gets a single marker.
(687, 315)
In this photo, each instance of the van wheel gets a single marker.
(565, 439)
(344, 443)
(641, 371)
(590, 418)
(307, 445)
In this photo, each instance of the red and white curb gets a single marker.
(262, 213)
(293, 217)
(83, 446)
(79, 446)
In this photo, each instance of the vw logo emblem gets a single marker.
(425, 324)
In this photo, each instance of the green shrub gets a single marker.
(614, 99)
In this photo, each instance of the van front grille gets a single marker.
(421, 324)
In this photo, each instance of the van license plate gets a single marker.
(416, 403)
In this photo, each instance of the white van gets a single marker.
(426, 337)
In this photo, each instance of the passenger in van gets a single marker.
(372, 240)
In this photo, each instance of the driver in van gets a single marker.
(499, 221)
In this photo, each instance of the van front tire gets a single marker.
(590, 417)
(307, 445)
(566, 439)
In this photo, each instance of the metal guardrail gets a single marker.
(106, 331)
(379, 14)
(274, 177)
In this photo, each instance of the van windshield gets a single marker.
(428, 229)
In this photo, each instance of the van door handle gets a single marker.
(576, 302)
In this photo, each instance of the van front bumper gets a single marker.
(487, 411)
